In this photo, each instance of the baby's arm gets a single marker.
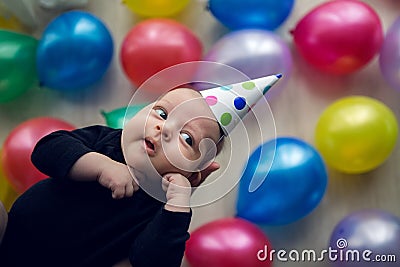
(78, 155)
(162, 243)
(109, 173)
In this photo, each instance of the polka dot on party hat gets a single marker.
(239, 102)
(230, 103)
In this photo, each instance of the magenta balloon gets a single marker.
(256, 53)
(389, 58)
(339, 37)
(228, 242)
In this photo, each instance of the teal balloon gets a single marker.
(75, 51)
(117, 117)
(17, 64)
(291, 180)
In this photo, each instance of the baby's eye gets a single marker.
(188, 139)
(162, 113)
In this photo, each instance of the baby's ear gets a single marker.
(197, 178)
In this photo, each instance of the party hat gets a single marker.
(230, 103)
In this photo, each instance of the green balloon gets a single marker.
(17, 64)
(117, 117)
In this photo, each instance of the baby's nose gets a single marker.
(165, 130)
(166, 133)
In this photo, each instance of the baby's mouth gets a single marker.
(150, 147)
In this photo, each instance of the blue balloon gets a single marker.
(284, 180)
(75, 51)
(239, 14)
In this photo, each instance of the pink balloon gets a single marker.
(339, 37)
(18, 147)
(228, 242)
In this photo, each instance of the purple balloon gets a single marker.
(256, 53)
(366, 238)
(389, 57)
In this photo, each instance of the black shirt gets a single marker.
(61, 222)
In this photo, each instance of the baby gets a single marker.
(73, 220)
(150, 167)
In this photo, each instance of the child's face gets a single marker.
(177, 133)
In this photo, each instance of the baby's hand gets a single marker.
(118, 179)
(178, 191)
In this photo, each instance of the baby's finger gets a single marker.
(165, 184)
(129, 190)
(118, 192)
(135, 186)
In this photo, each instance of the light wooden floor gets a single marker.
(296, 111)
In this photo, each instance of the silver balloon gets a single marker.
(24, 10)
(62, 4)
(256, 53)
(366, 238)
(38, 13)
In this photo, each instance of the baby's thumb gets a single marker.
(165, 182)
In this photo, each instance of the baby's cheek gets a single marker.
(129, 156)
(179, 158)
(132, 153)
(188, 155)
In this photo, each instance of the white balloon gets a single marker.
(38, 13)
(4, 12)
(62, 4)
(24, 10)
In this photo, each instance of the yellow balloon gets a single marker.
(7, 193)
(356, 134)
(8, 21)
(156, 8)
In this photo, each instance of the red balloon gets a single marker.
(156, 44)
(339, 37)
(228, 242)
(18, 147)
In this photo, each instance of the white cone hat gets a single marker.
(230, 103)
